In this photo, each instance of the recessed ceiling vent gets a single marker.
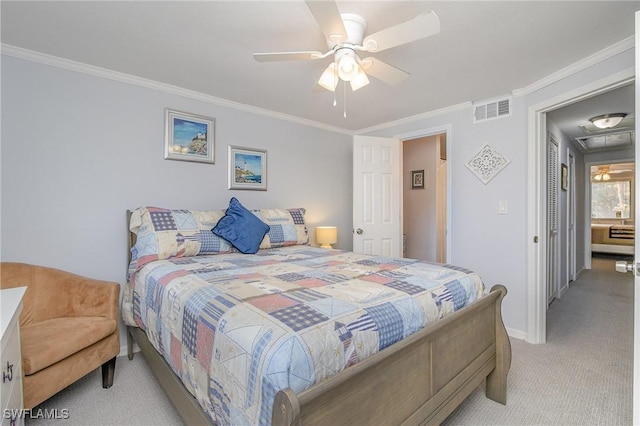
(491, 109)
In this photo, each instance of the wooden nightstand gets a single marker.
(11, 359)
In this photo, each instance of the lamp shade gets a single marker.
(326, 235)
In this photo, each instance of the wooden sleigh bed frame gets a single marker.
(418, 380)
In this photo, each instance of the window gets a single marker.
(611, 200)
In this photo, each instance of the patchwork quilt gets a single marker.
(238, 328)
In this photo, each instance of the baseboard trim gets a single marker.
(516, 334)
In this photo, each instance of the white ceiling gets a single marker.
(485, 49)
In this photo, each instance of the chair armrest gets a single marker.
(57, 294)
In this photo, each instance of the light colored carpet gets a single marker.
(135, 398)
(581, 376)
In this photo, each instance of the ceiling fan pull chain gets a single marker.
(335, 77)
(344, 86)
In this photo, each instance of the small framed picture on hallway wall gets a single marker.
(564, 177)
(417, 179)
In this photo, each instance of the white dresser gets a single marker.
(11, 360)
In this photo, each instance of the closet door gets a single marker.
(553, 271)
(571, 219)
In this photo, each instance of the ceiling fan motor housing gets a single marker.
(355, 26)
(345, 55)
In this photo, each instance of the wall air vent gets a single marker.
(492, 109)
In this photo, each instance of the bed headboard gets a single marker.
(131, 240)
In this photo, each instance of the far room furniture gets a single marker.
(612, 238)
(68, 328)
(204, 317)
(11, 385)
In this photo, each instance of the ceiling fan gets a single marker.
(604, 173)
(345, 34)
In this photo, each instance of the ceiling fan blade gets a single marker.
(288, 56)
(421, 26)
(327, 15)
(383, 71)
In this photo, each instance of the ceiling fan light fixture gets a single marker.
(359, 80)
(607, 121)
(329, 78)
(603, 174)
(347, 65)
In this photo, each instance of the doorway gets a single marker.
(424, 195)
(611, 208)
(537, 184)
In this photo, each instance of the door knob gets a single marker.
(359, 231)
(624, 267)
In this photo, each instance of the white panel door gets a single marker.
(376, 196)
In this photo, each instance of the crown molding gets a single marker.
(417, 117)
(20, 53)
(602, 55)
(83, 68)
(589, 61)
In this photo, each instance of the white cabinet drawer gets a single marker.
(10, 359)
(10, 363)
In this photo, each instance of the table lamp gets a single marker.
(326, 235)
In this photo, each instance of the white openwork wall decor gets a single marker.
(487, 163)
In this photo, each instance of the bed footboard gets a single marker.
(419, 380)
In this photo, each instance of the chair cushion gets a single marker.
(46, 342)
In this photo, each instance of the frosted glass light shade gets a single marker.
(359, 80)
(329, 78)
(326, 235)
(347, 68)
(607, 121)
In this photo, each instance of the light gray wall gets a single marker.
(496, 245)
(79, 150)
(419, 205)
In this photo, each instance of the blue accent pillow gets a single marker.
(241, 228)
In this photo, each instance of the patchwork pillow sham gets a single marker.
(241, 228)
(287, 227)
(164, 233)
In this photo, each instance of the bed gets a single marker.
(612, 238)
(293, 334)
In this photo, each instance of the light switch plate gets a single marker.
(502, 207)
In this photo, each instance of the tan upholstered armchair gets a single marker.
(68, 328)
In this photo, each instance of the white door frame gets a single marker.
(432, 131)
(536, 195)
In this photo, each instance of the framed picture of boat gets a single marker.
(247, 168)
